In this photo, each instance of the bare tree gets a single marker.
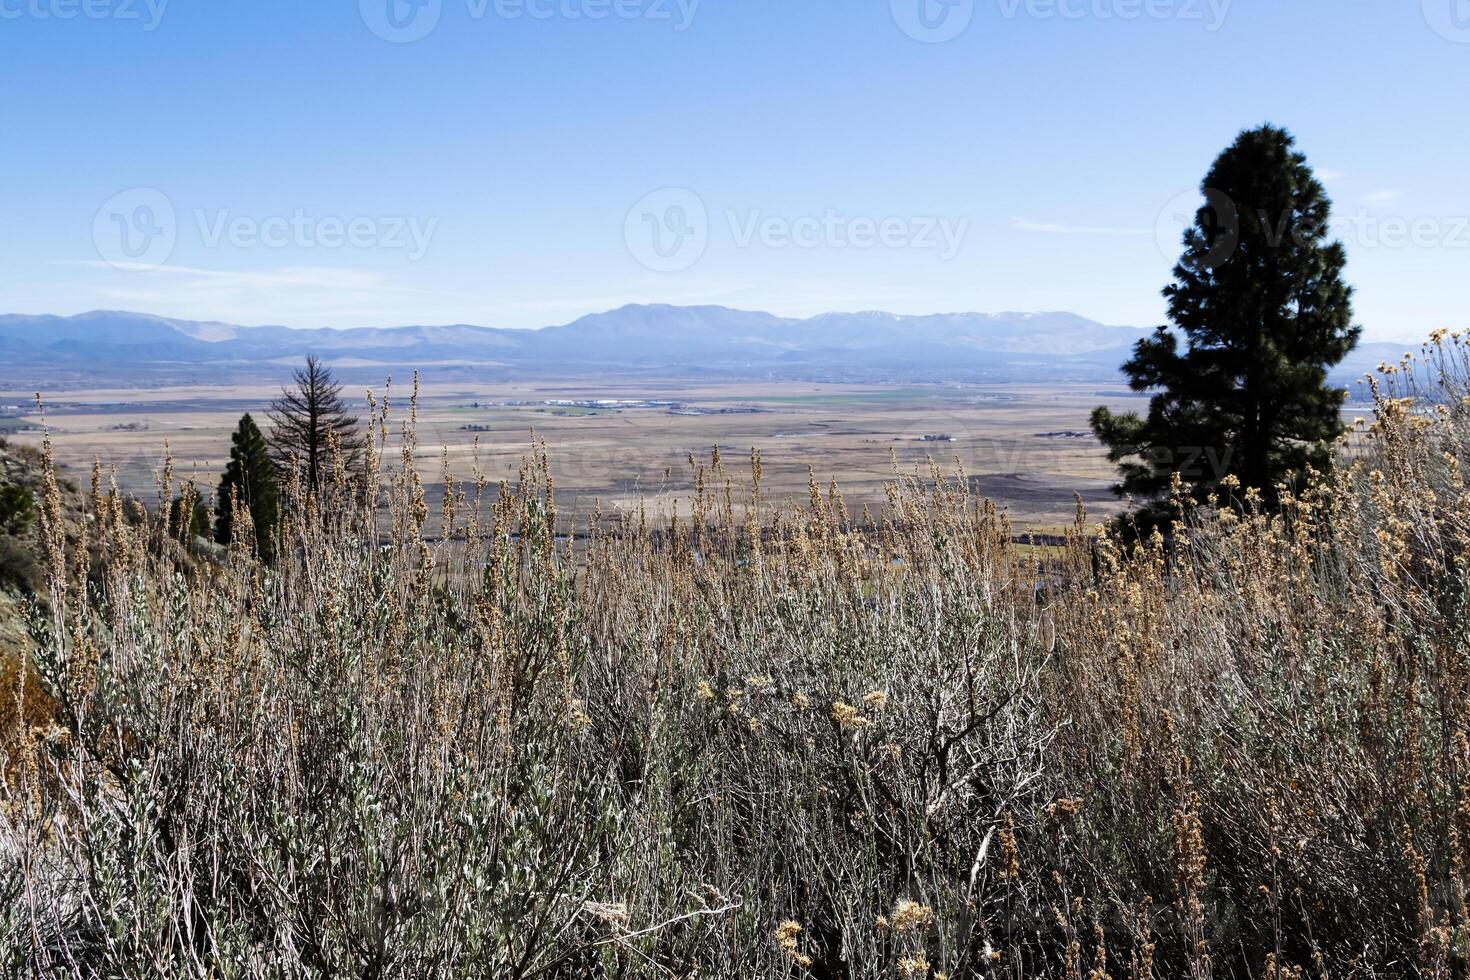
(305, 420)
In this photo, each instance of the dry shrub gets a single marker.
(25, 707)
(764, 740)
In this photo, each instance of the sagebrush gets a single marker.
(760, 739)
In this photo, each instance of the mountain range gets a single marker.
(698, 342)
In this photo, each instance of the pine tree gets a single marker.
(195, 522)
(249, 482)
(1259, 300)
(305, 419)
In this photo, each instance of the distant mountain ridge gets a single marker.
(712, 342)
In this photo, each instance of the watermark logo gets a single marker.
(1367, 229)
(943, 438)
(149, 13)
(933, 21)
(833, 230)
(1219, 214)
(1450, 19)
(668, 231)
(405, 21)
(401, 21)
(303, 230)
(1194, 464)
(136, 230)
(1364, 228)
(679, 13)
(1210, 13)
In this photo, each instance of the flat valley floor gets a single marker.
(1026, 447)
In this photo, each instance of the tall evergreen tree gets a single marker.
(249, 482)
(1259, 300)
(195, 522)
(306, 417)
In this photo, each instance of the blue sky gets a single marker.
(527, 161)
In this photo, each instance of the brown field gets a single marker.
(1004, 436)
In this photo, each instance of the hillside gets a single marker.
(21, 577)
(766, 740)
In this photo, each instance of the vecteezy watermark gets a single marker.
(149, 13)
(679, 14)
(1210, 13)
(301, 229)
(670, 230)
(937, 21)
(1450, 19)
(837, 231)
(941, 438)
(401, 21)
(933, 21)
(1365, 229)
(138, 229)
(405, 21)
(1215, 209)
(1225, 222)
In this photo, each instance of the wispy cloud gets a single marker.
(302, 295)
(1057, 228)
(288, 277)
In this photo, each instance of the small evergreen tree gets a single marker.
(1259, 299)
(306, 417)
(249, 482)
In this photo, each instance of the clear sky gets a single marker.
(523, 162)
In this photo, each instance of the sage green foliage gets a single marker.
(748, 743)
